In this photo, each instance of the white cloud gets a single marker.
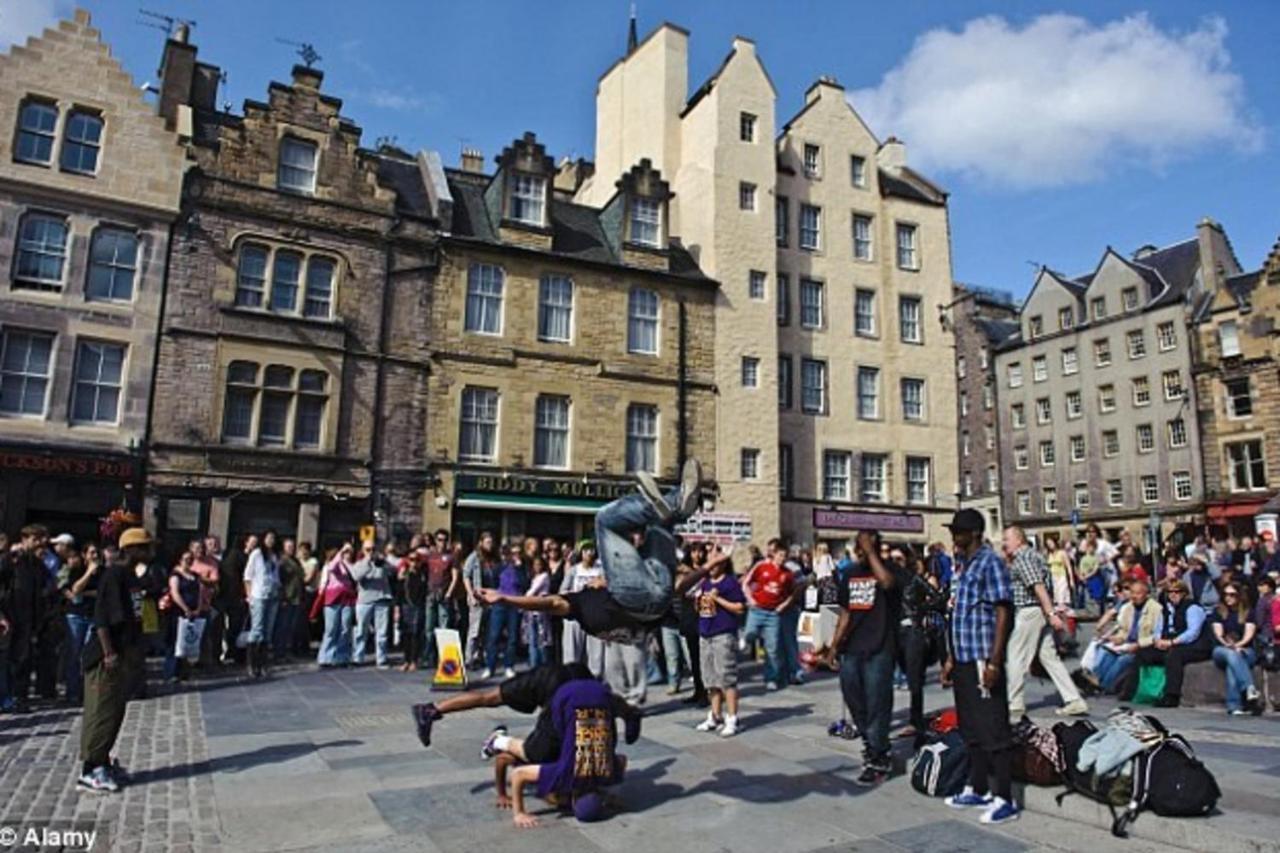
(21, 19)
(401, 101)
(1061, 100)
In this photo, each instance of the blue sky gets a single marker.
(1058, 129)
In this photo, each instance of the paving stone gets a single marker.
(953, 836)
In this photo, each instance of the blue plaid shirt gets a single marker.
(982, 584)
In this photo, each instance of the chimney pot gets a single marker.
(472, 160)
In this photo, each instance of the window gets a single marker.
(99, 377)
(961, 369)
(913, 399)
(1146, 438)
(1024, 503)
(642, 322)
(964, 442)
(1049, 500)
(1065, 317)
(810, 227)
(756, 284)
(25, 360)
(993, 479)
(241, 401)
(1035, 327)
(113, 261)
(786, 471)
(555, 308)
(812, 160)
(1177, 431)
(479, 439)
(1107, 398)
(1229, 339)
(273, 412)
(1166, 336)
(1098, 307)
(868, 393)
(1076, 446)
(862, 244)
(1018, 416)
(1239, 397)
(835, 475)
(811, 303)
(1070, 363)
(1115, 493)
(781, 219)
(551, 433)
(1102, 352)
(749, 465)
(1129, 298)
(484, 299)
(1137, 344)
(251, 276)
(1110, 443)
(909, 319)
(313, 388)
(642, 438)
(907, 258)
(42, 253)
(988, 395)
(964, 403)
(275, 406)
(746, 127)
(37, 123)
(1173, 389)
(528, 199)
(750, 372)
(646, 222)
(1044, 411)
(813, 386)
(297, 170)
(917, 480)
(81, 142)
(285, 274)
(746, 196)
(784, 299)
(784, 382)
(864, 313)
(858, 170)
(1141, 391)
(318, 302)
(1248, 469)
(1150, 489)
(1021, 458)
(1047, 456)
(1182, 490)
(1039, 368)
(1081, 496)
(1074, 407)
(872, 486)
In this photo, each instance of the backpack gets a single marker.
(940, 767)
(1114, 790)
(1036, 757)
(1169, 780)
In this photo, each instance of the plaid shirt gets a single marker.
(983, 584)
(1028, 569)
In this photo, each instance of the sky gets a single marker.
(1058, 129)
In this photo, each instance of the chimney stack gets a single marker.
(472, 160)
(306, 77)
(892, 154)
(177, 73)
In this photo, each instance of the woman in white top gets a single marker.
(262, 588)
(577, 645)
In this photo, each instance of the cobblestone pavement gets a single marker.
(328, 761)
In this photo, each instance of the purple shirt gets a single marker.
(713, 619)
(582, 714)
(511, 579)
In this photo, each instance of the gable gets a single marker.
(1114, 275)
(1049, 295)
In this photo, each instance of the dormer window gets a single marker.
(1036, 327)
(528, 199)
(646, 222)
(297, 171)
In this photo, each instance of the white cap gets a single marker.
(64, 539)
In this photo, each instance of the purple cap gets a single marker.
(588, 808)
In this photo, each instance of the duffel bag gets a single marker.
(940, 767)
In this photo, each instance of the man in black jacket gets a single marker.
(22, 585)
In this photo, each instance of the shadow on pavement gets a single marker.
(239, 762)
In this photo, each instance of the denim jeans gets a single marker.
(1239, 667)
(866, 680)
(78, 629)
(411, 618)
(335, 645)
(639, 579)
(262, 618)
(789, 638)
(286, 628)
(436, 616)
(502, 617)
(1110, 667)
(766, 624)
(374, 615)
(673, 649)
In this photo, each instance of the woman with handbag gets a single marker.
(187, 618)
(337, 600)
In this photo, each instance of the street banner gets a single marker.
(450, 673)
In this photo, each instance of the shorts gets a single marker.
(542, 746)
(719, 658)
(531, 690)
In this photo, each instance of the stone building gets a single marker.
(832, 256)
(983, 320)
(292, 374)
(571, 345)
(90, 181)
(1237, 378)
(1095, 395)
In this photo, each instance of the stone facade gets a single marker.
(90, 181)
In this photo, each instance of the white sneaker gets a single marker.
(770, 687)
(1078, 708)
(730, 727)
(710, 724)
(486, 673)
(509, 672)
(652, 493)
(1251, 694)
(690, 488)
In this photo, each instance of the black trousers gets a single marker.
(984, 725)
(916, 651)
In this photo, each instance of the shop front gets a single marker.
(68, 491)
(838, 527)
(1235, 517)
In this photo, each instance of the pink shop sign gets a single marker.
(889, 522)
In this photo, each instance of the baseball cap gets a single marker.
(967, 519)
(588, 808)
(64, 539)
(135, 536)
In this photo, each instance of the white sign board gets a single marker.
(722, 528)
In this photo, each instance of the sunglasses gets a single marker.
(1230, 593)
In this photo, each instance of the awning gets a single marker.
(1237, 510)
(529, 503)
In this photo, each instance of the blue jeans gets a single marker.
(375, 614)
(765, 624)
(1110, 667)
(639, 579)
(673, 649)
(867, 684)
(286, 627)
(335, 645)
(78, 628)
(262, 618)
(1239, 667)
(436, 616)
(502, 616)
(789, 629)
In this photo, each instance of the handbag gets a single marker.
(1091, 654)
(1151, 681)
(190, 631)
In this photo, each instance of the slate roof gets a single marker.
(405, 177)
(911, 185)
(997, 331)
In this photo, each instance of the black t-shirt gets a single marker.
(118, 609)
(600, 615)
(533, 689)
(873, 611)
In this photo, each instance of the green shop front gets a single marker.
(515, 505)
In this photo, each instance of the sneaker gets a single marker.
(98, 781)
(710, 724)
(967, 799)
(1237, 712)
(118, 771)
(730, 727)
(1251, 694)
(872, 774)
(798, 678)
(1001, 811)
(690, 487)
(770, 687)
(509, 673)
(488, 751)
(423, 716)
(383, 666)
(1016, 713)
(674, 688)
(486, 673)
(652, 492)
(1078, 708)
(743, 644)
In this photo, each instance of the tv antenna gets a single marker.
(306, 51)
(165, 23)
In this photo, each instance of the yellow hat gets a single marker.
(135, 536)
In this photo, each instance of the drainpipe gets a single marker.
(380, 386)
(682, 389)
(140, 476)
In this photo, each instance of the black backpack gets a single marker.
(1169, 780)
(940, 767)
(1114, 790)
